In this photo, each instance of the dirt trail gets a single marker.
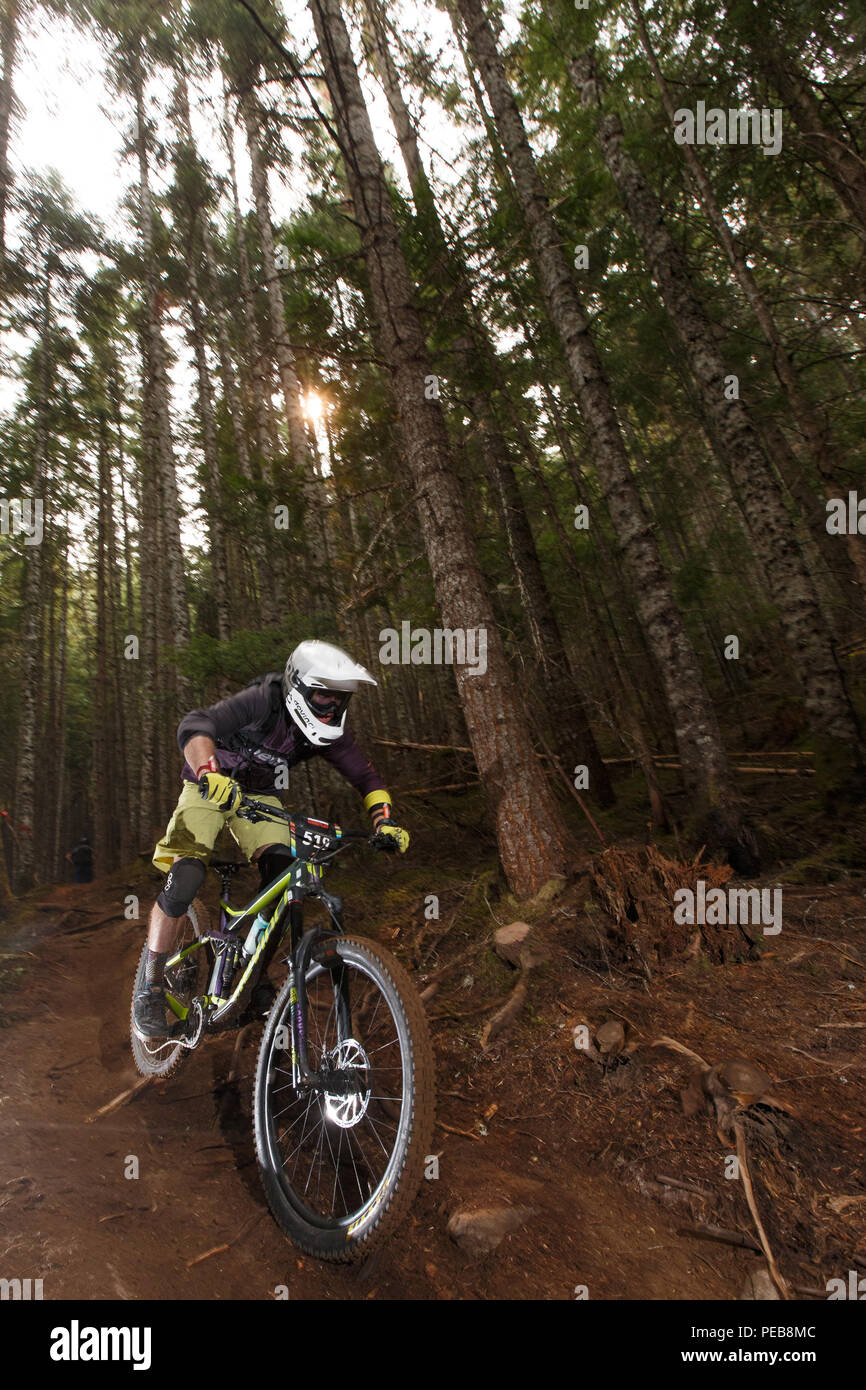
(71, 1217)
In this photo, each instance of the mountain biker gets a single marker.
(237, 746)
(81, 859)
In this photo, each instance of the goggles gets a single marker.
(328, 704)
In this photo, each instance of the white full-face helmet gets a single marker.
(318, 684)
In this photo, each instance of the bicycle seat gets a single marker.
(226, 866)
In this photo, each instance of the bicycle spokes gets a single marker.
(334, 1144)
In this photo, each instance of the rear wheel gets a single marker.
(340, 1169)
(185, 978)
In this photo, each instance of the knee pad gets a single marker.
(182, 882)
(275, 860)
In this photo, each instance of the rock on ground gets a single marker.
(481, 1230)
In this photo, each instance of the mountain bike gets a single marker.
(343, 1100)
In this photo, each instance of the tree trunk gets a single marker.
(702, 754)
(176, 631)
(119, 761)
(103, 754)
(57, 818)
(533, 842)
(24, 808)
(558, 699)
(842, 165)
(314, 547)
(143, 666)
(812, 422)
(234, 594)
(213, 499)
(8, 43)
(261, 385)
(828, 704)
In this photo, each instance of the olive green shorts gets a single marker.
(193, 829)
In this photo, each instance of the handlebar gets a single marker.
(261, 810)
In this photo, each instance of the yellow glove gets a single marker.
(392, 837)
(219, 791)
(389, 836)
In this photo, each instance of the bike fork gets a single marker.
(314, 946)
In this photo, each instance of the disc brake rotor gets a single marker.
(343, 1110)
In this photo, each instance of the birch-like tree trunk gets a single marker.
(532, 838)
(213, 498)
(56, 818)
(314, 548)
(260, 377)
(8, 46)
(119, 761)
(702, 755)
(788, 581)
(102, 782)
(823, 137)
(812, 423)
(176, 632)
(24, 808)
(232, 593)
(143, 663)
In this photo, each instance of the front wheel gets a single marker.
(340, 1170)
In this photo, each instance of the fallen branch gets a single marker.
(115, 1216)
(684, 1186)
(743, 1158)
(217, 1087)
(672, 757)
(89, 926)
(721, 1235)
(464, 1133)
(217, 1250)
(804, 936)
(458, 960)
(779, 771)
(572, 790)
(61, 907)
(54, 1071)
(446, 787)
(462, 1013)
(423, 747)
(679, 1047)
(509, 1011)
(122, 1099)
(221, 1249)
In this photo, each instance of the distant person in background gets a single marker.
(81, 859)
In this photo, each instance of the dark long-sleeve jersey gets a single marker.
(241, 720)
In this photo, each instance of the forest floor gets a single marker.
(615, 1167)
